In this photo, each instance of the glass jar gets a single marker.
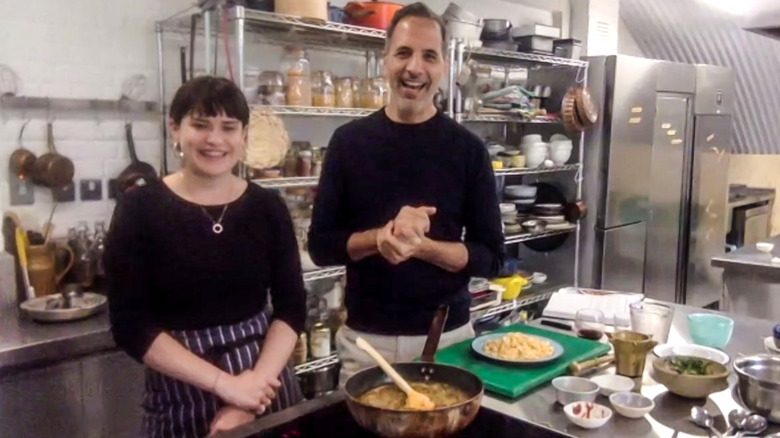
(345, 97)
(319, 340)
(301, 350)
(270, 89)
(305, 159)
(382, 90)
(317, 159)
(323, 92)
(295, 66)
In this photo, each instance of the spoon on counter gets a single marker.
(414, 399)
(736, 419)
(753, 425)
(702, 418)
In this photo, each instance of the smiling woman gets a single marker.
(191, 261)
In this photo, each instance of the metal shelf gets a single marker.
(316, 364)
(65, 104)
(279, 183)
(318, 111)
(503, 55)
(261, 21)
(319, 274)
(525, 237)
(510, 118)
(535, 171)
(514, 304)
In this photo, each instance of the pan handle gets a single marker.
(434, 334)
(130, 142)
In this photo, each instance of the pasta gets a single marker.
(517, 346)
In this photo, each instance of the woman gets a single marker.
(191, 260)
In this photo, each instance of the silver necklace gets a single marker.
(216, 227)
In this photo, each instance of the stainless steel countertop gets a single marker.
(747, 259)
(668, 419)
(25, 343)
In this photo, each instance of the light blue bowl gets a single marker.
(710, 330)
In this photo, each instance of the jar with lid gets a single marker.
(371, 94)
(319, 340)
(305, 159)
(270, 90)
(345, 97)
(295, 66)
(323, 92)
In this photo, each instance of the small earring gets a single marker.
(177, 149)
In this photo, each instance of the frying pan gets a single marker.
(51, 169)
(137, 169)
(439, 422)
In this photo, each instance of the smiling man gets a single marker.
(397, 190)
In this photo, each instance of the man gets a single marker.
(396, 192)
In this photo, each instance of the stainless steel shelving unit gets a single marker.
(249, 26)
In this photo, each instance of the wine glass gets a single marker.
(589, 324)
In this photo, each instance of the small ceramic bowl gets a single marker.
(611, 384)
(574, 389)
(776, 335)
(710, 330)
(631, 404)
(765, 247)
(770, 347)
(539, 278)
(587, 415)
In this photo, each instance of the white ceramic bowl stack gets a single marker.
(560, 151)
(534, 149)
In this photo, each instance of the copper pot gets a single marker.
(374, 14)
(22, 162)
(42, 266)
(52, 169)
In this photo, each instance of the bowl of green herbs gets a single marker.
(690, 377)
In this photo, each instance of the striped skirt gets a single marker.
(173, 409)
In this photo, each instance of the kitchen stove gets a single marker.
(335, 421)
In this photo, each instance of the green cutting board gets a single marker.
(512, 380)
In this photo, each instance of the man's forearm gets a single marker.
(362, 244)
(450, 256)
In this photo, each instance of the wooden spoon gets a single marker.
(414, 399)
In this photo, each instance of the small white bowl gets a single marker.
(769, 345)
(574, 389)
(765, 247)
(538, 278)
(507, 208)
(599, 414)
(611, 383)
(631, 404)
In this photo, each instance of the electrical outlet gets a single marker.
(22, 190)
(113, 186)
(64, 194)
(91, 189)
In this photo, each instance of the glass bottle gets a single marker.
(295, 66)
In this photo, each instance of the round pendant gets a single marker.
(217, 228)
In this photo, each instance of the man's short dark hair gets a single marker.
(420, 10)
(209, 96)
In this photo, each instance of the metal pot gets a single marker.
(22, 161)
(759, 384)
(413, 424)
(374, 14)
(320, 381)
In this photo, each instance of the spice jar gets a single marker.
(295, 66)
(305, 158)
(318, 157)
(345, 97)
(301, 351)
(323, 92)
(270, 89)
(319, 340)
(382, 90)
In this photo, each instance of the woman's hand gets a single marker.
(228, 418)
(250, 390)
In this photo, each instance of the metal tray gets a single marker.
(51, 308)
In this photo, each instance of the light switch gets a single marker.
(64, 194)
(91, 189)
(22, 190)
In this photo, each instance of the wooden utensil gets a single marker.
(21, 250)
(580, 368)
(414, 399)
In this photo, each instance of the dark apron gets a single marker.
(174, 409)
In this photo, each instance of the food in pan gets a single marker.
(689, 365)
(391, 397)
(518, 346)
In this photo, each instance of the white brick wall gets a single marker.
(80, 49)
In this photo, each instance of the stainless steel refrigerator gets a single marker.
(656, 179)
